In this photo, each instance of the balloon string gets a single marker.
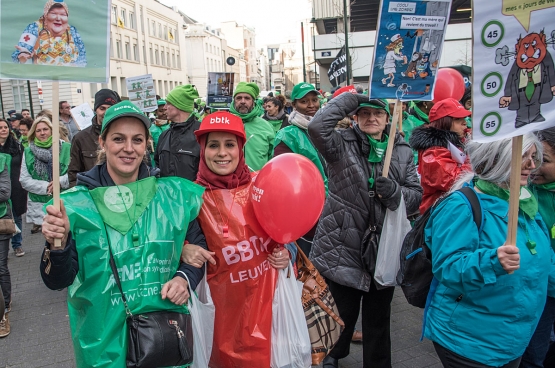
(225, 226)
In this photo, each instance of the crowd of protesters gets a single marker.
(506, 289)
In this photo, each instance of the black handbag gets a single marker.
(156, 339)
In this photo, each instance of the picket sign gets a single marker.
(56, 151)
(514, 198)
(397, 117)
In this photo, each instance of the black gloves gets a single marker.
(385, 187)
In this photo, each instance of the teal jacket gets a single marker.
(478, 310)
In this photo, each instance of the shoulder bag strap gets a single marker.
(474, 202)
(118, 282)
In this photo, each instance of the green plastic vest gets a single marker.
(147, 256)
(5, 161)
(30, 162)
(297, 140)
(409, 124)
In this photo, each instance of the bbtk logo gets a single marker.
(218, 120)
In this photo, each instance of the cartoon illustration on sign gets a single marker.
(51, 40)
(531, 81)
(393, 55)
(411, 69)
(408, 48)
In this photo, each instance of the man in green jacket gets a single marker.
(260, 134)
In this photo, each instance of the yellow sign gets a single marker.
(521, 9)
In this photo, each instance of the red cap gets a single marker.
(350, 89)
(448, 107)
(221, 121)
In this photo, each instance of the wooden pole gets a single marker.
(516, 163)
(391, 140)
(56, 150)
(401, 118)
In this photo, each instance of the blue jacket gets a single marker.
(478, 310)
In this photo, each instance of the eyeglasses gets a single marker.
(55, 16)
(531, 160)
(369, 113)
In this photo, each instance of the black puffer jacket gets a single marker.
(336, 251)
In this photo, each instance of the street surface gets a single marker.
(40, 330)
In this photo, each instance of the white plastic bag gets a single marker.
(291, 346)
(395, 228)
(202, 311)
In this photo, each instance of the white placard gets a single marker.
(142, 93)
(513, 68)
(82, 115)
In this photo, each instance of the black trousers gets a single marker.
(452, 360)
(5, 280)
(376, 315)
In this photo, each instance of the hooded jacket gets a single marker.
(178, 152)
(337, 247)
(65, 264)
(84, 151)
(436, 166)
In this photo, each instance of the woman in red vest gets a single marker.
(242, 257)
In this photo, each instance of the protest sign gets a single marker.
(82, 115)
(141, 92)
(55, 40)
(409, 40)
(337, 72)
(514, 73)
(220, 89)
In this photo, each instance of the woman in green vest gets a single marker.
(294, 139)
(120, 206)
(36, 169)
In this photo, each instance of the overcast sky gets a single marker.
(275, 21)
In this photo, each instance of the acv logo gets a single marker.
(118, 199)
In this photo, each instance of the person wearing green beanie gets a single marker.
(177, 152)
(260, 134)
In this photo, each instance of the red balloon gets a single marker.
(449, 83)
(288, 197)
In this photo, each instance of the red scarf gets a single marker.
(209, 179)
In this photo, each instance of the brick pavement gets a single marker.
(40, 330)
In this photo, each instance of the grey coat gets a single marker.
(336, 251)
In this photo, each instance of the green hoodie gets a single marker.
(259, 148)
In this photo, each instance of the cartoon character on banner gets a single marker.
(51, 40)
(402, 91)
(411, 69)
(423, 67)
(531, 81)
(393, 55)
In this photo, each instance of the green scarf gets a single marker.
(24, 141)
(549, 186)
(120, 206)
(248, 117)
(46, 144)
(420, 113)
(377, 148)
(528, 205)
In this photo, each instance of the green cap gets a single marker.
(122, 109)
(161, 102)
(381, 104)
(301, 90)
